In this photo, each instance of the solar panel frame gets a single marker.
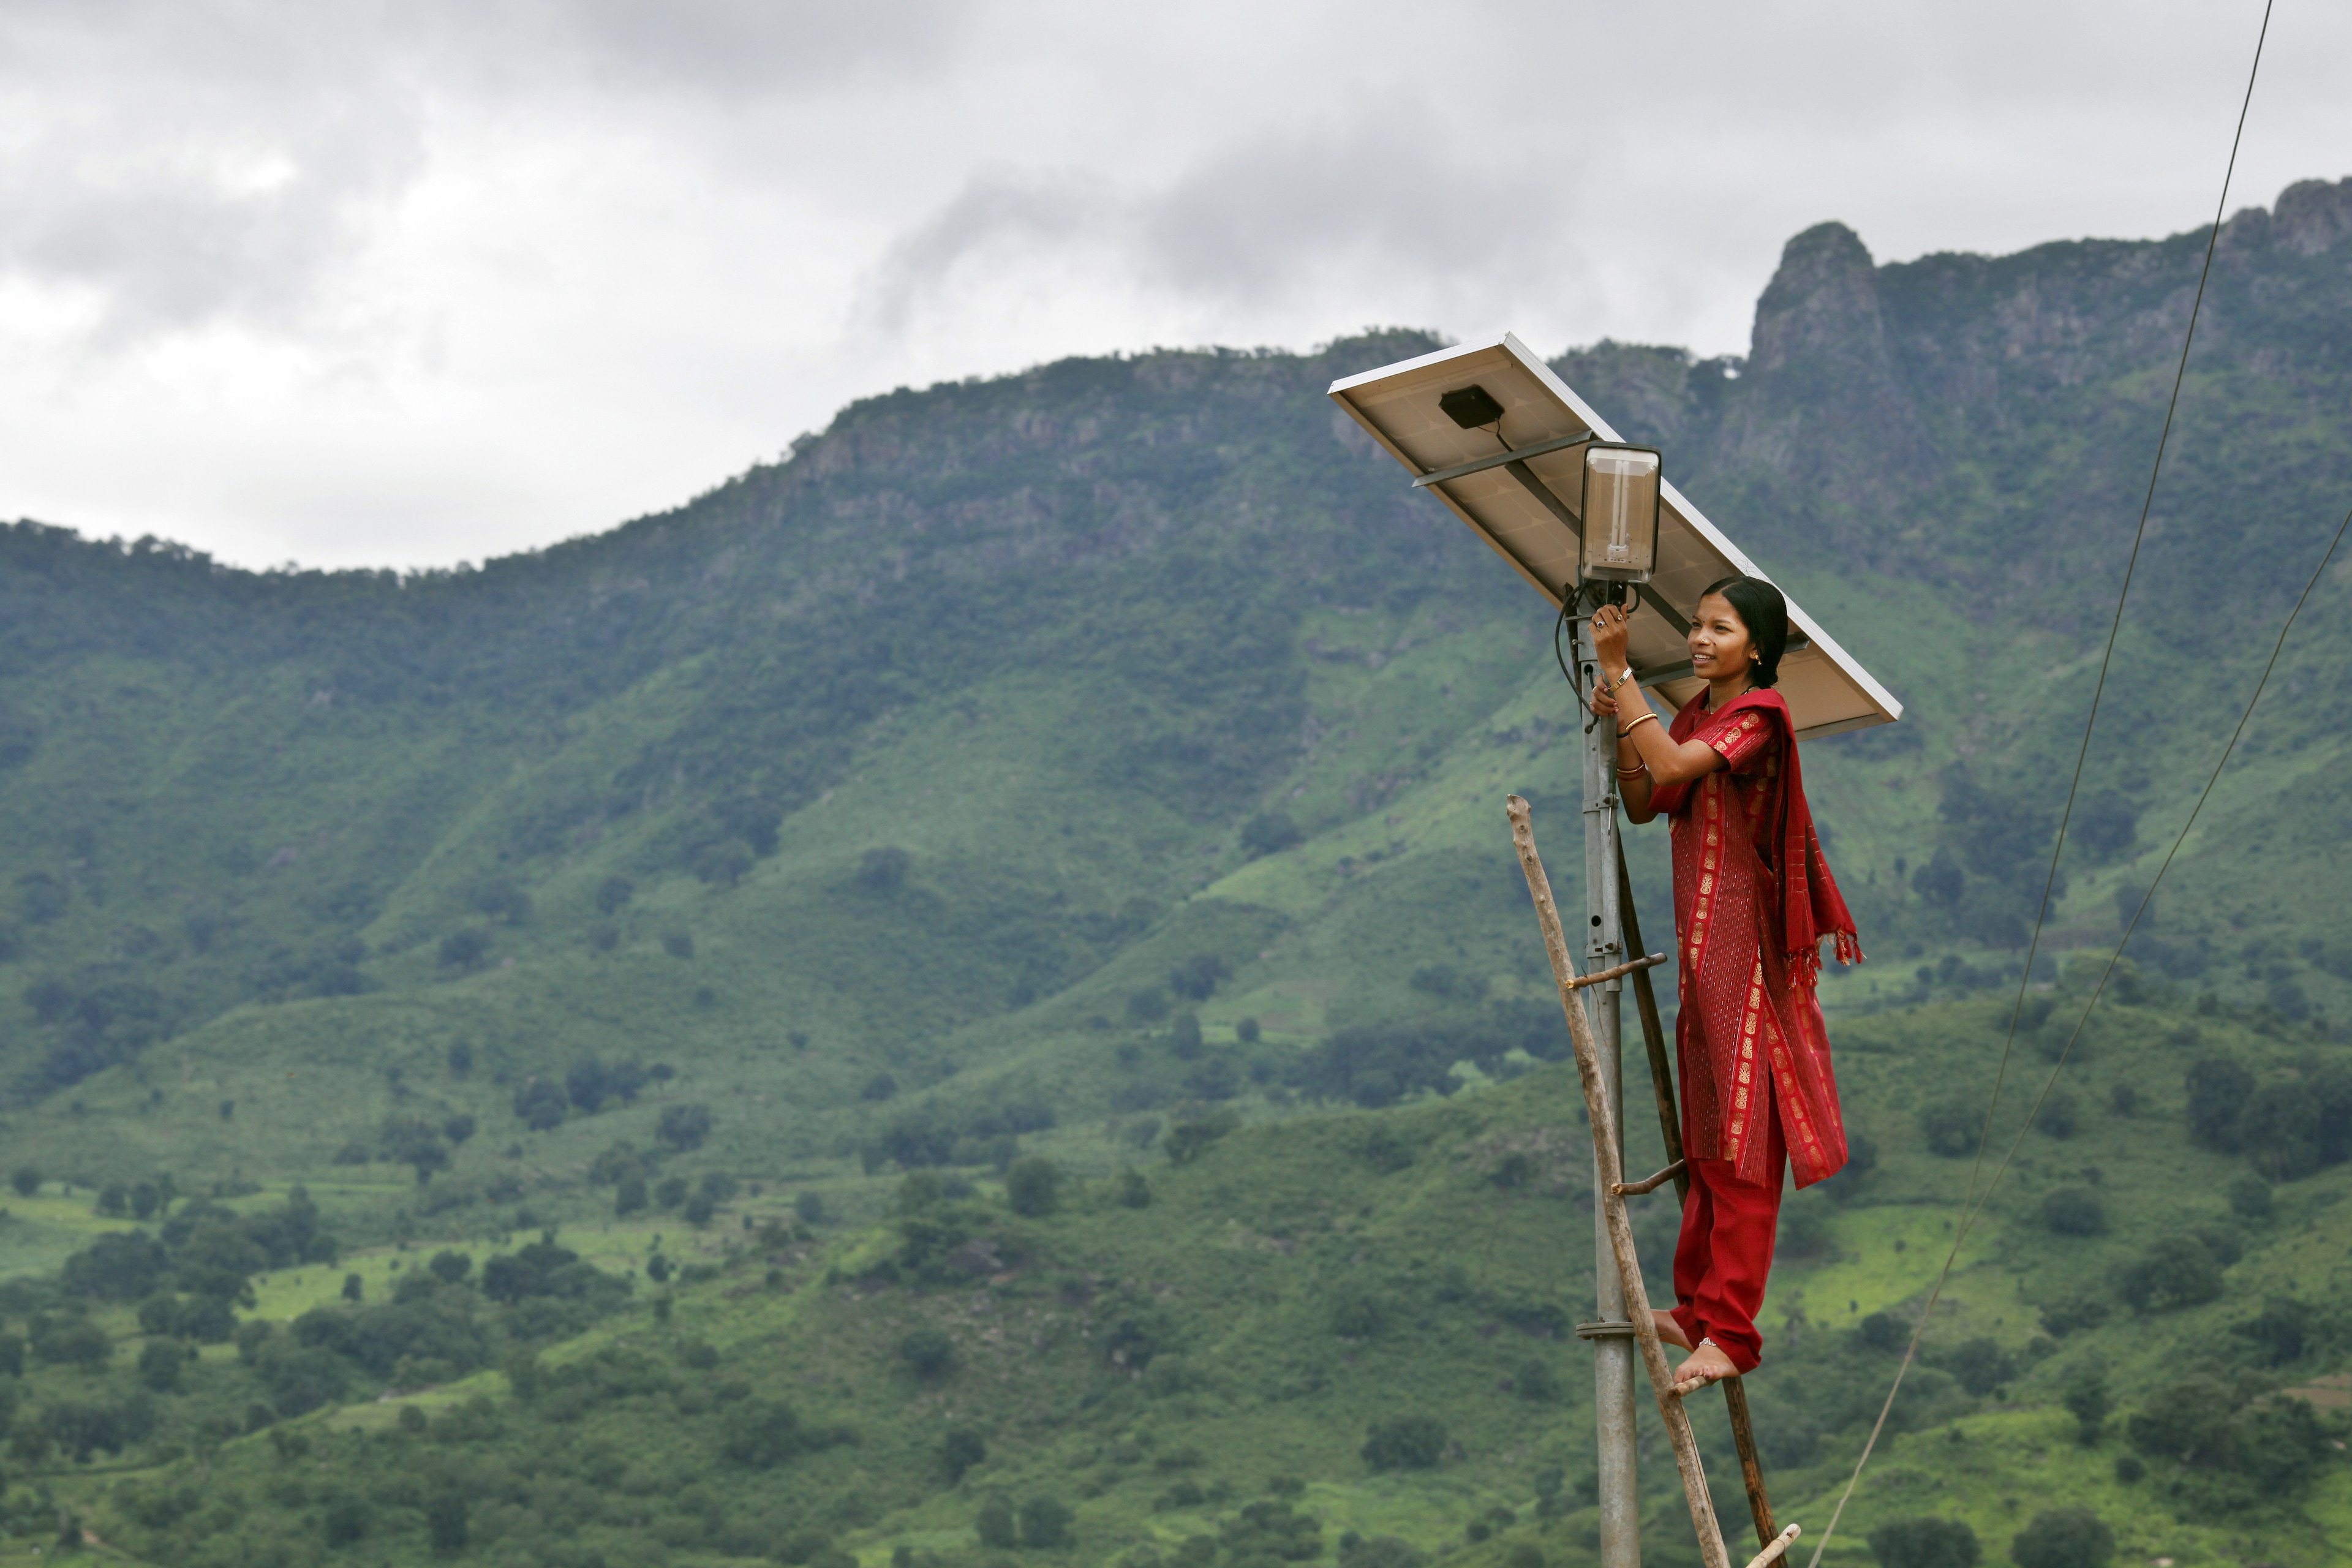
(1524, 504)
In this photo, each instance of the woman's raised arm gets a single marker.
(1647, 755)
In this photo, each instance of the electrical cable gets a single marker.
(1976, 1200)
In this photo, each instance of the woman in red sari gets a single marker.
(1753, 897)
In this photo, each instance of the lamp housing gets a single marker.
(1622, 488)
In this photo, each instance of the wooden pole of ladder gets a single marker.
(1607, 1149)
(1670, 1134)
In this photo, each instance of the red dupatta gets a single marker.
(1810, 906)
(1753, 897)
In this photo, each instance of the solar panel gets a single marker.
(1516, 477)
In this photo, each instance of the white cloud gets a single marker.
(360, 283)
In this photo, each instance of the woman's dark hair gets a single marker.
(1764, 611)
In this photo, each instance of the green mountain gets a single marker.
(836, 886)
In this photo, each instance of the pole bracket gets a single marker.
(1599, 975)
(1650, 1184)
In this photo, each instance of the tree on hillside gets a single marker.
(1269, 833)
(997, 1527)
(1045, 1523)
(1927, 1543)
(959, 1451)
(929, 1353)
(883, 870)
(614, 892)
(1952, 1128)
(1033, 1185)
(2218, 1088)
(27, 1180)
(1404, 1443)
(683, 1127)
(464, 949)
(540, 1103)
(160, 1362)
(2063, 1538)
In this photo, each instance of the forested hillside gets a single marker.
(961, 993)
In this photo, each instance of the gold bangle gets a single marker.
(1636, 724)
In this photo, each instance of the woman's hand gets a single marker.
(1609, 630)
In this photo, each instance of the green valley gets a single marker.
(963, 998)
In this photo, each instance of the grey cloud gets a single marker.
(1256, 225)
(187, 162)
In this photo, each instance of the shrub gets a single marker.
(2074, 1211)
(1884, 1332)
(2280, 1131)
(1247, 1031)
(71, 1342)
(630, 1195)
(2250, 1197)
(683, 1127)
(541, 1104)
(1269, 833)
(2086, 1398)
(1184, 1036)
(678, 943)
(2063, 1538)
(1927, 1542)
(159, 1365)
(1404, 1443)
(883, 870)
(345, 1519)
(27, 1180)
(464, 949)
(761, 1434)
(1187, 1139)
(1148, 1005)
(2063, 1316)
(2060, 1116)
(1199, 976)
(699, 1209)
(959, 1451)
(1045, 1524)
(997, 1528)
(1980, 1366)
(1952, 1128)
(1134, 1190)
(810, 1206)
(444, 1521)
(1359, 1315)
(2175, 1271)
(1805, 1232)
(2218, 1091)
(928, 1351)
(1033, 1185)
(1540, 1381)
(881, 1086)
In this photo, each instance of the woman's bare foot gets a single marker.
(1707, 1364)
(1668, 1329)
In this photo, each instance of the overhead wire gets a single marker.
(1976, 1199)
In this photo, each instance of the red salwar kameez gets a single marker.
(1753, 897)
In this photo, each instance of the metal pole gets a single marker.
(1613, 1353)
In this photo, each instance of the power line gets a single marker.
(1975, 1199)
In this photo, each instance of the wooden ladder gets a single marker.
(1608, 1149)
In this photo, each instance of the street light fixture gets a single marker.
(1622, 486)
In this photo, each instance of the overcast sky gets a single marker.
(366, 282)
